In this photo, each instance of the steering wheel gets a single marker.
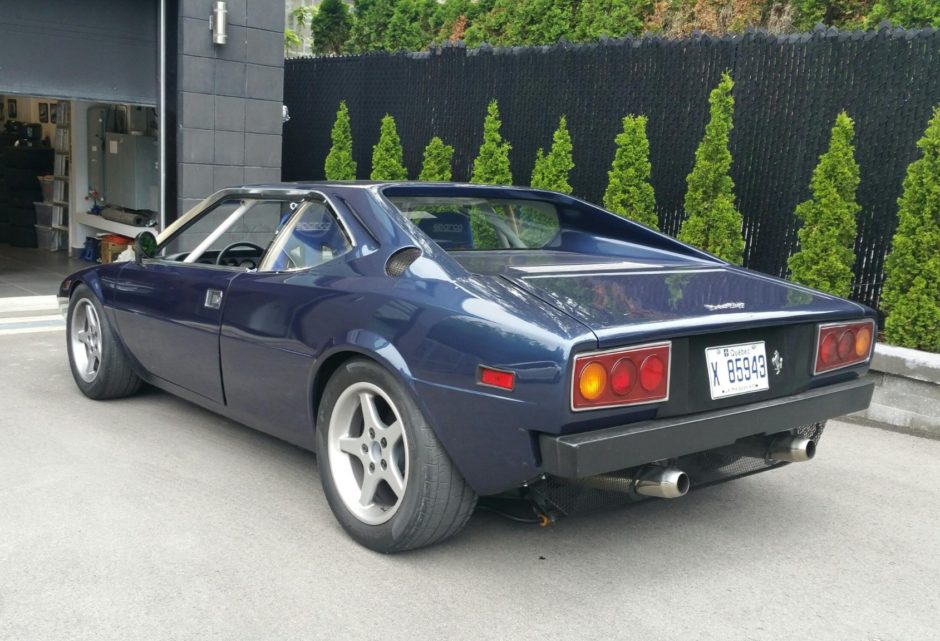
(240, 243)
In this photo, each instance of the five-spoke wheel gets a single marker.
(368, 453)
(388, 480)
(100, 366)
(85, 336)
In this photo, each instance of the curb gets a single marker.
(907, 391)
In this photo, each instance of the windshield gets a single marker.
(462, 223)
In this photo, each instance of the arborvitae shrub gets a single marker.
(826, 252)
(713, 222)
(551, 171)
(629, 192)
(911, 294)
(387, 161)
(438, 162)
(339, 162)
(491, 167)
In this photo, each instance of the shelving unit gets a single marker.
(62, 168)
(104, 225)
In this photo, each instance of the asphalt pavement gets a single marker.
(149, 518)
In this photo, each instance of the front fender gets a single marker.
(102, 280)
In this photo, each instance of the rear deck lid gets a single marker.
(625, 299)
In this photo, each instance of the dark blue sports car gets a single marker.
(438, 342)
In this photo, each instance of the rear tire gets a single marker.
(99, 365)
(386, 477)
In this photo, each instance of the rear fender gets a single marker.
(470, 424)
(355, 343)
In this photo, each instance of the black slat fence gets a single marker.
(788, 90)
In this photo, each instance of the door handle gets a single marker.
(214, 299)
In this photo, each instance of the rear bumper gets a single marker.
(617, 448)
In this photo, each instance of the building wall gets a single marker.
(229, 99)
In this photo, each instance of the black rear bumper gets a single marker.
(621, 447)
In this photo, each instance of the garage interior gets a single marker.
(80, 136)
(158, 104)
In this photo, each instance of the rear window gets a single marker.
(464, 224)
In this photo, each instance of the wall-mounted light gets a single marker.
(218, 22)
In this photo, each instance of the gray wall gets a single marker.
(93, 50)
(229, 98)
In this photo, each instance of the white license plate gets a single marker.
(737, 369)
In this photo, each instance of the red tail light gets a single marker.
(843, 344)
(620, 377)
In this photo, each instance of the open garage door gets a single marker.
(97, 50)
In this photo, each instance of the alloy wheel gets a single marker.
(85, 334)
(368, 454)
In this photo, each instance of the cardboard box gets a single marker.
(110, 249)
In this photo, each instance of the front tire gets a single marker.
(99, 365)
(386, 477)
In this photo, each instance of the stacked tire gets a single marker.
(19, 189)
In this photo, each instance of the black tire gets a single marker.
(436, 502)
(114, 377)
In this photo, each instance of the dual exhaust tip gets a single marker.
(671, 483)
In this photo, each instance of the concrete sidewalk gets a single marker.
(30, 315)
(149, 518)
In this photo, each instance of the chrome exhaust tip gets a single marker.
(792, 449)
(662, 482)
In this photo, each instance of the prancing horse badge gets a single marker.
(777, 362)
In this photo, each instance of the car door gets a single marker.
(169, 309)
(169, 316)
(277, 320)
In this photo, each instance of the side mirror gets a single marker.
(145, 246)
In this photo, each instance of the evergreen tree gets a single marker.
(523, 23)
(826, 253)
(629, 192)
(611, 18)
(339, 162)
(911, 295)
(713, 222)
(438, 162)
(330, 27)
(551, 171)
(413, 25)
(387, 161)
(492, 24)
(844, 13)
(491, 166)
(368, 32)
(908, 13)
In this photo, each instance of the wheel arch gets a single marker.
(362, 345)
(89, 282)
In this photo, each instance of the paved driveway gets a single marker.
(151, 518)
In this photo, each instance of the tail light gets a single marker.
(620, 377)
(843, 344)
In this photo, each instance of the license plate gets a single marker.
(737, 369)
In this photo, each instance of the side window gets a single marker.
(191, 237)
(311, 237)
(234, 233)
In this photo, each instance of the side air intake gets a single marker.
(401, 260)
